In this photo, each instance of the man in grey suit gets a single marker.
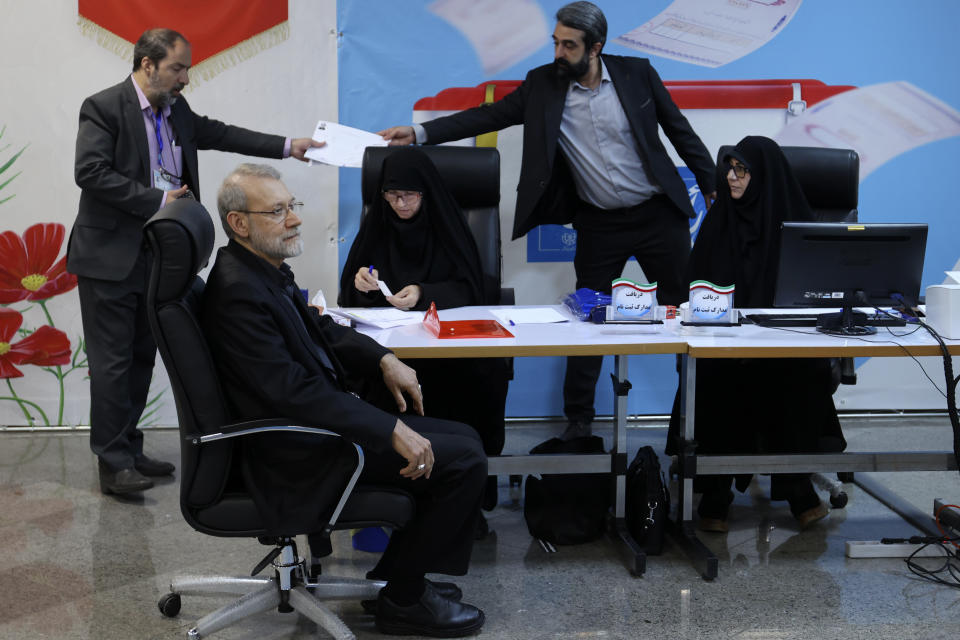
(592, 156)
(136, 151)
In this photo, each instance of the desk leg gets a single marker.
(635, 557)
(682, 527)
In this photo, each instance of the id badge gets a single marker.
(165, 181)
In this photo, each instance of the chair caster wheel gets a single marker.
(845, 476)
(170, 605)
(839, 501)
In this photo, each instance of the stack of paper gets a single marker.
(380, 317)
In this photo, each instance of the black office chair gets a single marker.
(212, 500)
(472, 174)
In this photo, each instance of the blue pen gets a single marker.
(370, 269)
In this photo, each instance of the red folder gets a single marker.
(462, 328)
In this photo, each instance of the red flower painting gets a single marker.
(29, 269)
(44, 347)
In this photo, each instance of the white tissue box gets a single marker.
(943, 309)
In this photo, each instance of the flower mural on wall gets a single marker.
(31, 272)
(29, 269)
(44, 347)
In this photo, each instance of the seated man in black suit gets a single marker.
(277, 356)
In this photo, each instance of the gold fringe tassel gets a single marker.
(209, 68)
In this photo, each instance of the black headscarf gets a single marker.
(434, 245)
(739, 241)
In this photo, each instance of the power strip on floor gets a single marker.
(876, 549)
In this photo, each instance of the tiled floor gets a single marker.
(79, 565)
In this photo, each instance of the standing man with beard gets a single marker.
(592, 156)
(136, 151)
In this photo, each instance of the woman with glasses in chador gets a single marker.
(760, 405)
(416, 239)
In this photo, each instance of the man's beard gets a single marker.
(575, 71)
(277, 247)
(164, 98)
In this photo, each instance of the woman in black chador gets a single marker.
(781, 405)
(416, 239)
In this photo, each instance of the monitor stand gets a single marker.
(847, 322)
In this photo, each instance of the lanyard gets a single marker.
(157, 119)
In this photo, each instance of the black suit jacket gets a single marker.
(267, 355)
(545, 193)
(112, 168)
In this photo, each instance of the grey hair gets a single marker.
(231, 195)
(586, 17)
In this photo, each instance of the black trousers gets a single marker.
(439, 539)
(468, 390)
(120, 353)
(654, 232)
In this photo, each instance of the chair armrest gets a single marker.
(507, 296)
(259, 426)
(268, 425)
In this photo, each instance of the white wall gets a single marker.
(47, 68)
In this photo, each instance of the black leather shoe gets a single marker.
(433, 616)
(448, 590)
(576, 429)
(150, 467)
(123, 481)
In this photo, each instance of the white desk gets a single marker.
(751, 341)
(747, 341)
(573, 338)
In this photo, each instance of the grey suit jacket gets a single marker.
(112, 169)
(545, 193)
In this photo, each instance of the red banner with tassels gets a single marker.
(211, 26)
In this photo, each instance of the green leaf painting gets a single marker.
(5, 177)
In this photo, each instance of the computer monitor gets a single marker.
(826, 264)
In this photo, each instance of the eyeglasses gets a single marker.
(393, 196)
(280, 213)
(739, 170)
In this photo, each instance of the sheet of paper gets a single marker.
(384, 289)
(879, 121)
(382, 318)
(502, 32)
(534, 315)
(345, 145)
(711, 33)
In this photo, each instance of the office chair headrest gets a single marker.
(472, 174)
(181, 237)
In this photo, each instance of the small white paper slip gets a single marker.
(384, 289)
(319, 300)
(536, 315)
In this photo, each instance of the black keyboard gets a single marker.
(806, 320)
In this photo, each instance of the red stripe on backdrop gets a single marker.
(211, 26)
